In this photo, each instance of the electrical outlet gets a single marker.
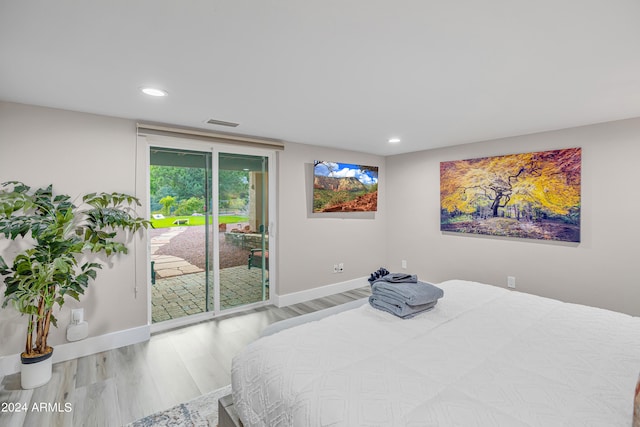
(340, 267)
(335, 268)
(511, 282)
(404, 263)
(77, 315)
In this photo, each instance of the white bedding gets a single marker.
(484, 356)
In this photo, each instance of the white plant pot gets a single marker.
(36, 372)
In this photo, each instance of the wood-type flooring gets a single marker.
(119, 386)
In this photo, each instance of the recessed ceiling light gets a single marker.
(153, 91)
(394, 140)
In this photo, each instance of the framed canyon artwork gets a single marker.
(344, 187)
(531, 195)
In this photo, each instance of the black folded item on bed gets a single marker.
(378, 274)
(403, 295)
(396, 278)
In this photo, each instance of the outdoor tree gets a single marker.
(182, 190)
(190, 206)
(167, 202)
(233, 187)
(184, 182)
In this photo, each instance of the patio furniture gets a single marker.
(255, 258)
(245, 240)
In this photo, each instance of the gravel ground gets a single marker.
(189, 245)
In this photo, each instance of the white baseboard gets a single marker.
(62, 352)
(10, 364)
(322, 291)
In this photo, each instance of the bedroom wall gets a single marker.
(42, 145)
(310, 244)
(78, 153)
(602, 270)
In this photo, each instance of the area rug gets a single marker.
(199, 412)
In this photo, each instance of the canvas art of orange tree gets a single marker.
(530, 195)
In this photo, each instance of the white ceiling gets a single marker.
(347, 73)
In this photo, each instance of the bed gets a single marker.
(484, 356)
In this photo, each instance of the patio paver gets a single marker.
(184, 294)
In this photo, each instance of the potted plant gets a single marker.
(57, 247)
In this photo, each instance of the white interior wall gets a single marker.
(310, 244)
(602, 270)
(77, 153)
(80, 152)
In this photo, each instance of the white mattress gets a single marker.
(485, 356)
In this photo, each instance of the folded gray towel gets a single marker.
(413, 294)
(399, 308)
(397, 278)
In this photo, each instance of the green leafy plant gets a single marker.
(60, 238)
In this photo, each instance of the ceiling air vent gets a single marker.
(222, 123)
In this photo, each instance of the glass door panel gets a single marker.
(180, 198)
(210, 241)
(243, 229)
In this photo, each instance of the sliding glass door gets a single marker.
(180, 201)
(210, 244)
(243, 217)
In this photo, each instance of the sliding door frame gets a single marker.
(271, 156)
(143, 160)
